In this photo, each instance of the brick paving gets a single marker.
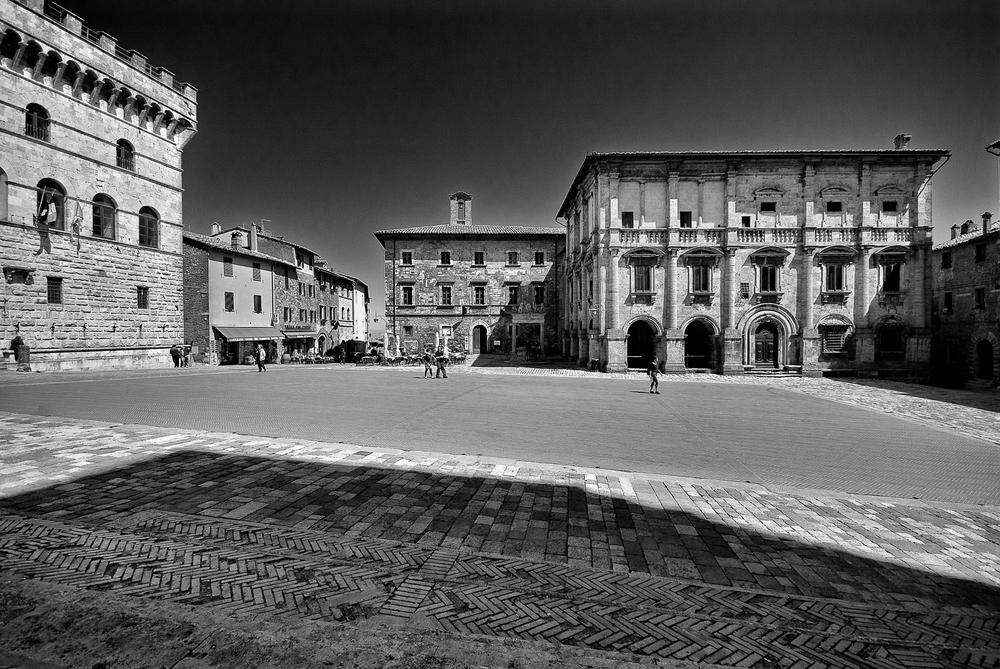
(714, 573)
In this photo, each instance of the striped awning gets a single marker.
(233, 333)
(299, 334)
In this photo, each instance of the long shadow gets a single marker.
(529, 520)
(987, 400)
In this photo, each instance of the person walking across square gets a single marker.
(428, 370)
(260, 355)
(654, 372)
(441, 360)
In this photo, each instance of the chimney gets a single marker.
(236, 239)
(987, 222)
(216, 228)
(253, 238)
(901, 142)
(966, 227)
(954, 231)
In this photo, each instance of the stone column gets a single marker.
(810, 334)
(16, 60)
(673, 339)
(615, 346)
(732, 345)
(864, 336)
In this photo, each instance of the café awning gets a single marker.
(233, 333)
(299, 334)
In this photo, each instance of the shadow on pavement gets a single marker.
(517, 519)
(987, 400)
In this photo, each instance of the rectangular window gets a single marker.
(512, 258)
(258, 304)
(539, 294)
(980, 298)
(286, 278)
(142, 297)
(890, 279)
(286, 313)
(302, 288)
(628, 219)
(227, 267)
(54, 290)
(149, 232)
(769, 207)
(479, 295)
(768, 279)
(407, 258)
(642, 278)
(948, 302)
(407, 296)
(980, 252)
(890, 206)
(445, 257)
(946, 259)
(408, 330)
(446, 295)
(833, 339)
(256, 271)
(701, 279)
(835, 277)
(746, 221)
(685, 219)
(539, 257)
(479, 258)
(312, 290)
(302, 315)
(834, 207)
(312, 315)
(230, 302)
(512, 294)
(744, 291)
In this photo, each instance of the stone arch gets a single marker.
(476, 344)
(51, 64)
(785, 324)
(653, 323)
(56, 193)
(641, 333)
(890, 338)
(32, 52)
(707, 320)
(10, 43)
(980, 338)
(700, 334)
(69, 74)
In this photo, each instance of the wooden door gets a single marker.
(764, 349)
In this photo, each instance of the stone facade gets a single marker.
(98, 132)
(966, 305)
(474, 288)
(813, 261)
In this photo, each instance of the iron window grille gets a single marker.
(54, 290)
(142, 297)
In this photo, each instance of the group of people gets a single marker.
(181, 355)
(441, 358)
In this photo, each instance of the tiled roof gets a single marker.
(967, 237)
(450, 229)
(217, 243)
(281, 240)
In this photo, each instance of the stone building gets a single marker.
(966, 306)
(362, 301)
(813, 261)
(90, 193)
(477, 288)
(229, 298)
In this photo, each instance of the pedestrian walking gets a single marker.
(175, 354)
(428, 369)
(260, 356)
(654, 372)
(441, 360)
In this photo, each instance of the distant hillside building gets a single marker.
(967, 305)
(813, 261)
(478, 288)
(90, 194)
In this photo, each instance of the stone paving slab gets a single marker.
(655, 566)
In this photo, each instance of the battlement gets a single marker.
(74, 24)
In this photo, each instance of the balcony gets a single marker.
(703, 297)
(836, 235)
(769, 297)
(637, 237)
(775, 236)
(835, 296)
(697, 236)
(885, 236)
(523, 309)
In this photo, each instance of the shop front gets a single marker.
(299, 343)
(235, 345)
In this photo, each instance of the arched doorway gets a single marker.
(984, 360)
(697, 346)
(640, 346)
(479, 339)
(765, 346)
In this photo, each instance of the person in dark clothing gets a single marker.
(654, 372)
(441, 360)
(15, 345)
(428, 369)
(175, 353)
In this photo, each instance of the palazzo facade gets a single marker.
(811, 261)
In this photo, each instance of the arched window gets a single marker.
(125, 156)
(36, 122)
(3, 195)
(50, 207)
(104, 216)
(149, 227)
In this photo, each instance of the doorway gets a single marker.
(765, 346)
(640, 346)
(984, 360)
(697, 346)
(479, 339)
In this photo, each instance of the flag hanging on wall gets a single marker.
(77, 224)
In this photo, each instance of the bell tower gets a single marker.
(461, 208)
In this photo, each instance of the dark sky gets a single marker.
(334, 118)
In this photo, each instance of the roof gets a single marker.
(280, 240)
(935, 154)
(460, 230)
(216, 243)
(976, 233)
